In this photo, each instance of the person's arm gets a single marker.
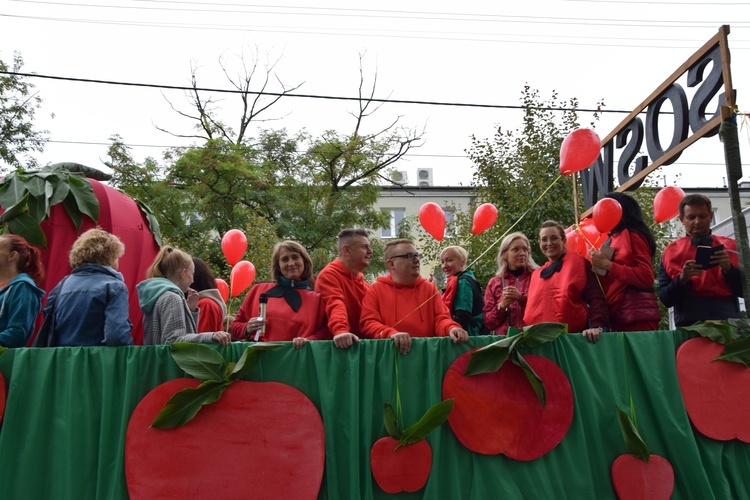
(239, 324)
(463, 303)
(21, 309)
(371, 322)
(443, 321)
(493, 316)
(321, 331)
(334, 299)
(174, 321)
(117, 325)
(671, 291)
(641, 273)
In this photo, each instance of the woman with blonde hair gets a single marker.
(167, 316)
(90, 305)
(463, 293)
(505, 298)
(294, 312)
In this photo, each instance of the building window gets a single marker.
(395, 216)
(449, 216)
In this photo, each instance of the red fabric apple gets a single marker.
(498, 412)
(404, 469)
(635, 479)
(716, 392)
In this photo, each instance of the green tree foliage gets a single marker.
(18, 105)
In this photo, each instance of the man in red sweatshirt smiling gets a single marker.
(403, 304)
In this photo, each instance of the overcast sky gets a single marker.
(446, 52)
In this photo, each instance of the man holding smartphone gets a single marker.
(699, 274)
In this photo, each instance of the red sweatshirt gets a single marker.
(342, 293)
(416, 309)
(282, 323)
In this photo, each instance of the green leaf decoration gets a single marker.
(491, 357)
(740, 325)
(59, 193)
(391, 422)
(634, 442)
(431, 420)
(2, 350)
(512, 330)
(84, 196)
(541, 333)
(185, 404)
(72, 208)
(536, 383)
(249, 359)
(14, 191)
(29, 228)
(721, 333)
(737, 351)
(153, 224)
(36, 186)
(199, 360)
(15, 210)
(38, 208)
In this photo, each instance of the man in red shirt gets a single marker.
(699, 292)
(403, 304)
(342, 286)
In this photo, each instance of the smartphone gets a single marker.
(704, 253)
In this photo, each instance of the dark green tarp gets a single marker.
(63, 434)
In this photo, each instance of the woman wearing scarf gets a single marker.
(565, 290)
(294, 312)
(507, 291)
(463, 294)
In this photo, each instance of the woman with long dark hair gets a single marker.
(629, 280)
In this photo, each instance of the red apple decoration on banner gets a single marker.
(716, 392)
(607, 214)
(579, 150)
(432, 218)
(259, 440)
(499, 410)
(234, 245)
(241, 277)
(667, 203)
(484, 217)
(635, 479)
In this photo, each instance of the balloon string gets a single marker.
(593, 245)
(488, 248)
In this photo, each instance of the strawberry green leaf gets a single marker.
(721, 333)
(15, 210)
(249, 359)
(199, 360)
(740, 325)
(431, 420)
(491, 357)
(185, 404)
(541, 333)
(634, 442)
(536, 383)
(83, 192)
(69, 202)
(737, 351)
(26, 226)
(391, 422)
(512, 330)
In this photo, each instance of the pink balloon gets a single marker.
(234, 245)
(484, 216)
(223, 289)
(432, 218)
(242, 276)
(607, 214)
(579, 150)
(667, 203)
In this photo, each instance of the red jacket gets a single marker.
(497, 319)
(417, 309)
(631, 266)
(212, 311)
(709, 283)
(342, 294)
(568, 296)
(282, 323)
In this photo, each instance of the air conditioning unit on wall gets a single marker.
(399, 177)
(424, 177)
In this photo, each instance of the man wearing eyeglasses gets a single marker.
(402, 304)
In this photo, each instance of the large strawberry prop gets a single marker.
(250, 440)
(715, 379)
(521, 409)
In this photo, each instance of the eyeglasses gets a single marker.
(409, 256)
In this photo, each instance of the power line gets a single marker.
(304, 96)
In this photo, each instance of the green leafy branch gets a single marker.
(216, 375)
(28, 196)
(633, 440)
(491, 357)
(733, 334)
(431, 420)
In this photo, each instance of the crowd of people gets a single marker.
(611, 290)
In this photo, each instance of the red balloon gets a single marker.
(607, 214)
(242, 276)
(223, 289)
(233, 245)
(667, 203)
(591, 235)
(432, 218)
(579, 150)
(484, 216)
(574, 243)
